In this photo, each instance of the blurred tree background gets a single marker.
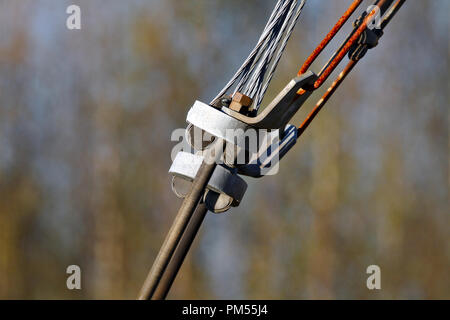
(85, 124)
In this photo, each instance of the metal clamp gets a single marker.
(231, 126)
(367, 40)
(225, 188)
(216, 123)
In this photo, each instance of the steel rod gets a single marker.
(179, 225)
(180, 253)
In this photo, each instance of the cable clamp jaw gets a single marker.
(225, 188)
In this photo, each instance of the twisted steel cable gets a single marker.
(251, 78)
(287, 36)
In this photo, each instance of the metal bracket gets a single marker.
(278, 113)
(231, 126)
(266, 161)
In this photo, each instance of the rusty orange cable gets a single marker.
(333, 64)
(329, 36)
(326, 96)
(349, 67)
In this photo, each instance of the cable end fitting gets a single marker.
(367, 40)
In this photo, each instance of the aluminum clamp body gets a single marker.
(224, 182)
